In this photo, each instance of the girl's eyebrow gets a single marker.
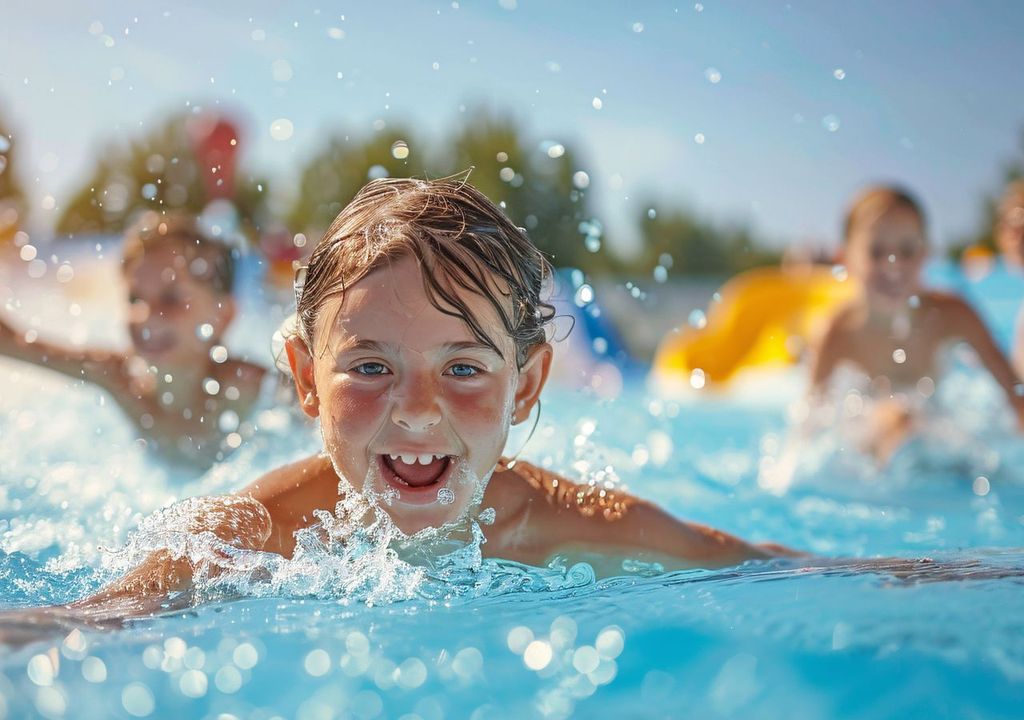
(384, 348)
(467, 345)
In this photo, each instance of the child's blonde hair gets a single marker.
(462, 242)
(875, 201)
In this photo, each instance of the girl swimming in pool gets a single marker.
(420, 338)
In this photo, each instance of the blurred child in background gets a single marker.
(176, 382)
(895, 330)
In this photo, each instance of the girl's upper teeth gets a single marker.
(410, 459)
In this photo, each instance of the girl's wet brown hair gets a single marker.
(462, 241)
(875, 201)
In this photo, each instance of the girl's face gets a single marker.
(885, 255)
(413, 409)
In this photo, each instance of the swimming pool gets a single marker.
(763, 640)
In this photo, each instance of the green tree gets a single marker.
(692, 245)
(156, 171)
(336, 173)
(534, 183)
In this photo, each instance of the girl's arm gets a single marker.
(98, 367)
(563, 517)
(239, 521)
(969, 326)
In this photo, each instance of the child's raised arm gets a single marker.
(98, 367)
(969, 326)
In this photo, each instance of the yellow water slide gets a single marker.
(765, 317)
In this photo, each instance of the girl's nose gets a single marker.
(415, 406)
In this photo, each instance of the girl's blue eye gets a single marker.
(463, 370)
(371, 368)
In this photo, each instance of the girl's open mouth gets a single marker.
(416, 475)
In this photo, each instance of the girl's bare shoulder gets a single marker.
(523, 485)
(291, 493)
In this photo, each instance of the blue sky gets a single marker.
(930, 93)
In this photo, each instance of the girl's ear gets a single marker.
(532, 377)
(301, 363)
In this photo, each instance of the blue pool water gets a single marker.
(766, 640)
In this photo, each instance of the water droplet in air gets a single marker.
(581, 180)
(506, 174)
(211, 386)
(554, 150)
(830, 123)
(281, 129)
(839, 73)
(204, 331)
(699, 138)
(377, 172)
(584, 295)
(638, 27)
(697, 379)
(899, 356)
(981, 486)
(660, 274)
(5, 143)
(713, 75)
(218, 353)
(597, 103)
(400, 150)
(839, 272)
(698, 319)
(3, 164)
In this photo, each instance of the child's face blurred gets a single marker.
(175, 314)
(885, 255)
(414, 410)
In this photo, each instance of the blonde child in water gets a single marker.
(895, 331)
(179, 305)
(420, 340)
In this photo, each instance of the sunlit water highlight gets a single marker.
(344, 632)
